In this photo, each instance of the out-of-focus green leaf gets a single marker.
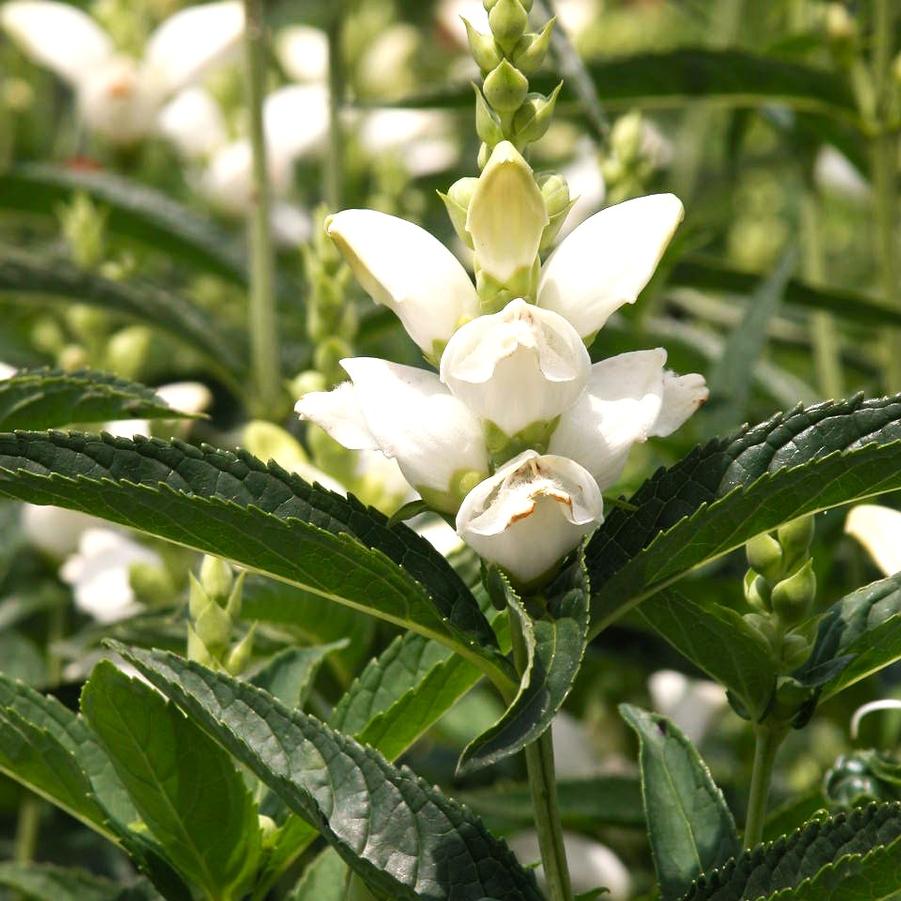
(44, 882)
(290, 674)
(325, 879)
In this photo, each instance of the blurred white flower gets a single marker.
(835, 173)
(586, 185)
(120, 97)
(591, 864)
(303, 53)
(55, 530)
(438, 533)
(423, 140)
(692, 704)
(6, 371)
(878, 529)
(575, 755)
(185, 397)
(99, 573)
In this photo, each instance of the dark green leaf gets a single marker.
(732, 489)
(44, 882)
(555, 645)
(404, 838)
(290, 674)
(786, 863)
(185, 787)
(325, 879)
(21, 658)
(47, 399)
(259, 516)
(689, 825)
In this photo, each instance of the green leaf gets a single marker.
(290, 674)
(726, 492)
(21, 658)
(46, 399)
(261, 517)
(44, 882)
(555, 645)
(862, 631)
(134, 211)
(718, 641)
(26, 277)
(325, 879)
(185, 787)
(786, 863)
(403, 838)
(689, 825)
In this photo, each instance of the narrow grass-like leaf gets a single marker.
(405, 839)
(691, 829)
(48, 399)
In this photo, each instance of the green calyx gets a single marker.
(449, 500)
(495, 295)
(503, 447)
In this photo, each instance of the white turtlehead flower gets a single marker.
(521, 366)
(607, 260)
(408, 415)
(186, 397)
(408, 270)
(530, 513)
(120, 97)
(692, 704)
(55, 530)
(591, 864)
(100, 573)
(878, 529)
(303, 53)
(507, 216)
(193, 122)
(628, 399)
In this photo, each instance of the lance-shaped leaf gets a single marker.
(45, 881)
(555, 645)
(46, 399)
(718, 641)
(849, 857)
(858, 636)
(732, 489)
(325, 879)
(184, 785)
(405, 839)
(261, 517)
(290, 674)
(690, 828)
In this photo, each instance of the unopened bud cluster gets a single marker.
(214, 609)
(860, 778)
(781, 587)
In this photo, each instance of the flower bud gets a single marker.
(625, 137)
(216, 578)
(456, 201)
(840, 24)
(796, 537)
(307, 381)
(240, 654)
(757, 591)
(795, 650)
(531, 50)
(484, 50)
(529, 514)
(765, 556)
(488, 125)
(764, 626)
(505, 87)
(508, 20)
(792, 598)
(128, 350)
(328, 356)
(557, 201)
(534, 116)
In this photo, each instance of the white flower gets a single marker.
(303, 53)
(575, 755)
(55, 530)
(185, 397)
(530, 513)
(193, 122)
(607, 260)
(507, 216)
(586, 185)
(118, 96)
(629, 398)
(7, 371)
(691, 704)
(878, 529)
(521, 366)
(408, 415)
(591, 864)
(100, 573)
(422, 139)
(834, 172)
(408, 270)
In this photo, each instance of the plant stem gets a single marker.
(766, 743)
(262, 321)
(543, 788)
(334, 160)
(28, 824)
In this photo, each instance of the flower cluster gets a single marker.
(518, 433)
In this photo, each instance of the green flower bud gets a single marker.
(792, 598)
(555, 190)
(456, 201)
(531, 50)
(534, 116)
(757, 591)
(72, 357)
(488, 124)
(505, 87)
(508, 20)
(795, 650)
(840, 24)
(328, 355)
(241, 653)
(796, 538)
(84, 229)
(47, 336)
(765, 556)
(764, 626)
(305, 382)
(484, 50)
(217, 579)
(267, 441)
(151, 583)
(213, 627)
(128, 350)
(88, 323)
(625, 138)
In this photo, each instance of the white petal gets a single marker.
(303, 53)
(683, 396)
(608, 259)
(58, 36)
(7, 371)
(421, 138)
(575, 754)
(295, 119)
(586, 186)
(619, 407)
(186, 397)
(517, 367)
(338, 412)
(193, 122)
(55, 530)
(405, 268)
(438, 534)
(291, 224)
(878, 529)
(417, 421)
(227, 183)
(530, 513)
(128, 428)
(192, 41)
(690, 703)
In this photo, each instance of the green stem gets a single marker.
(262, 321)
(543, 788)
(28, 825)
(334, 160)
(766, 743)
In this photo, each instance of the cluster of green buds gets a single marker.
(629, 165)
(214, 609)
(862, 777)
(781, 587)
(83, 227)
